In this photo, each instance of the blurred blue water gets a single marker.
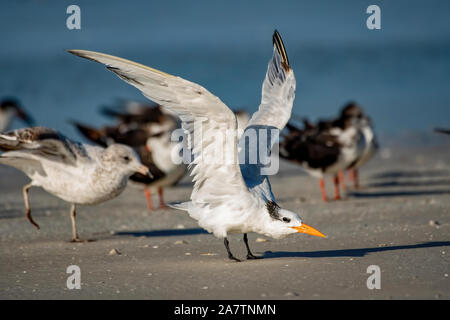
(400, 74)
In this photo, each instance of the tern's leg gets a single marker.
(162, 205)
(230, 255)
(337, 195)
(148, 196)
(342, 179)
(73, 214)
(356, 178)
(27, 205)
(249, 253)
(322, 189)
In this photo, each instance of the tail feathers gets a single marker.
(181, 205)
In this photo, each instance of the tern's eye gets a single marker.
(286, 219)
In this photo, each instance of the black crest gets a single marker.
(273, 209)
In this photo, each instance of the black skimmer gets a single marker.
(330, 147)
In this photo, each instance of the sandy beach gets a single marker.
(399, 220)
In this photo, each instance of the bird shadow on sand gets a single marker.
(411, 174)
(432, 183)
(162, 233)
(361, 252)
(383, 194)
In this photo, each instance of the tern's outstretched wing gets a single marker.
(215, 180)
(278, 93)
(278, 90)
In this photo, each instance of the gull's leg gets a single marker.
(161, 198)
(356, 178)
(230, 255)
(322, 189)
(148, 196)
(337, 195)
(249, 253)
(27, 205)
(73, 214)
(350, 175)
(342, 179)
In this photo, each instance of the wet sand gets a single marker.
(399, 220)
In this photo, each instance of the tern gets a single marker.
(226, 197)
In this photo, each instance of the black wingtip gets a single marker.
(278, 43)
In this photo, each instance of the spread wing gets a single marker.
(278, 93)
(278, 90)
(215, 181)
(40, 142)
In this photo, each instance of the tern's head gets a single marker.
(124, 159)
(284, 222)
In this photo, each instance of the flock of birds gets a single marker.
(226, 197)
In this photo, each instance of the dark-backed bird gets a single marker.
(330, 147)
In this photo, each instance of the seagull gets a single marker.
(10, 108)
(76, 173)
(227, 197)
(154, 151)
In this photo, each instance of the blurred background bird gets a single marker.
(330, 147)
(76, 173)
(10, 108)
(147, 128)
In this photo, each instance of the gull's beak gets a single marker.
(304, 228)
(145, 171)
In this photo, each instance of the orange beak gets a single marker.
(304, 228)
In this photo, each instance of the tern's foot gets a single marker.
(250, 256)
(231, 257)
